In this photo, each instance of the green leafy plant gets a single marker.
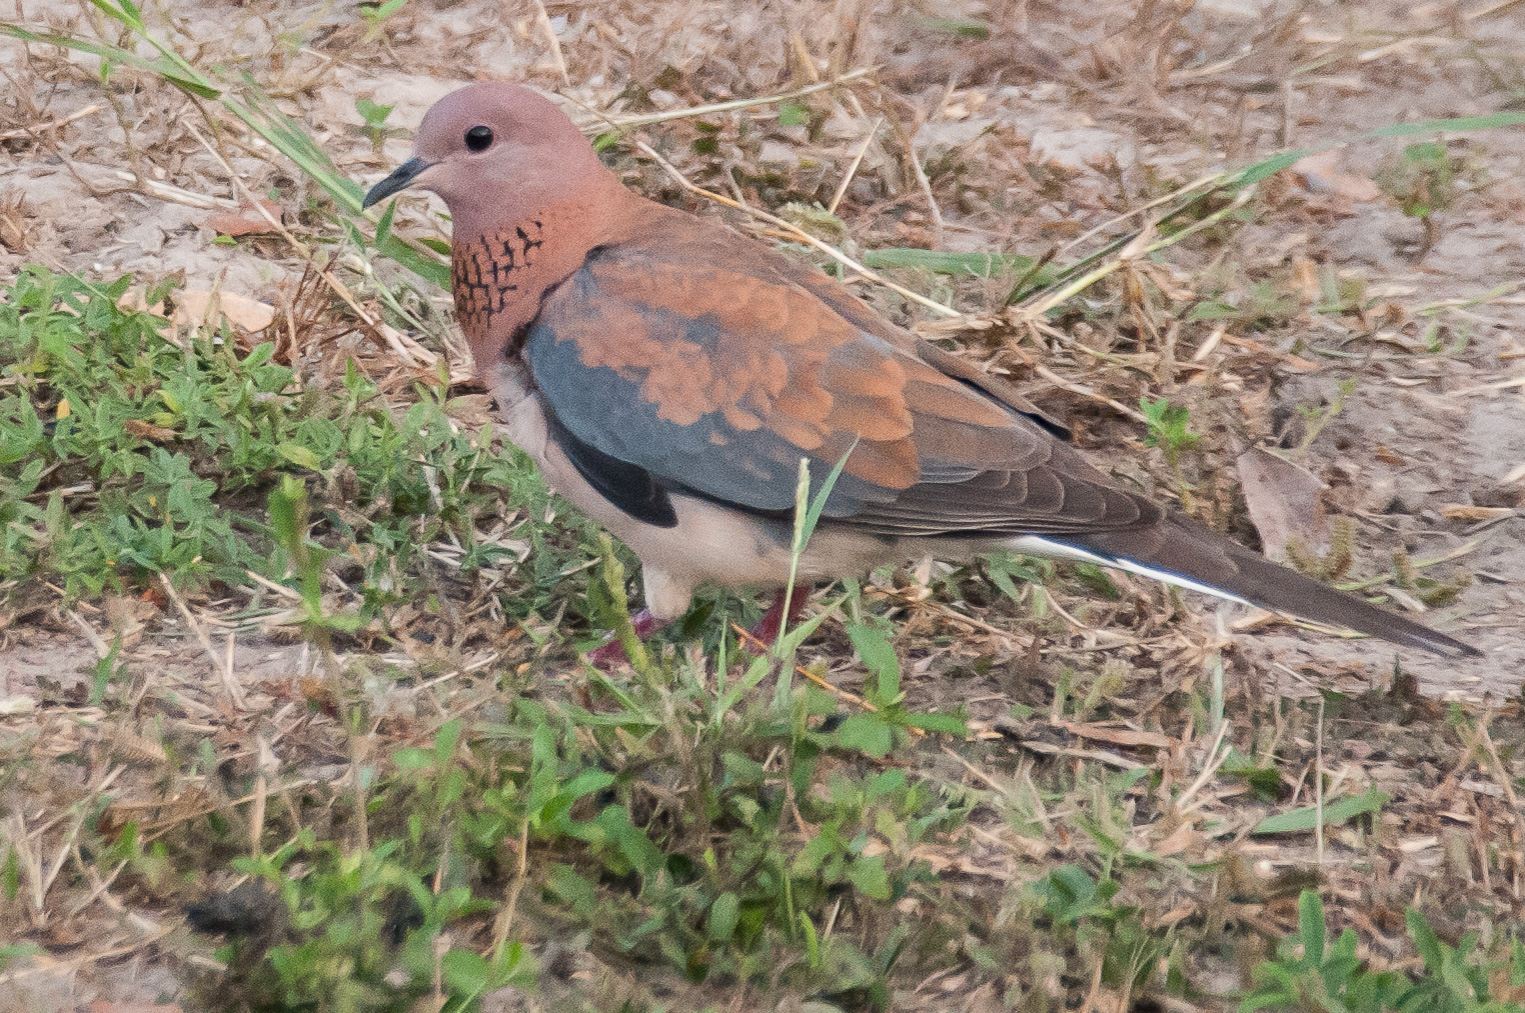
(376, 15)
(1422, 179)
(163, 438)
(1257, 305)
(1169, 429)
(792, 114)
(375, 117)
(355, 919)
(1069, 894)
(1312, 974)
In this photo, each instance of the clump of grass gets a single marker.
(128, 454)
(1434, 593)
(1311, 973)
(676, 818)
(1332, 565)
(1316, 418)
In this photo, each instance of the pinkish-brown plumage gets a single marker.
(668, 376)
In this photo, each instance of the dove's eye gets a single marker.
(479, 138)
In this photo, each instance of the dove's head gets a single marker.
(494, 149)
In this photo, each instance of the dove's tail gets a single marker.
(1181, 552)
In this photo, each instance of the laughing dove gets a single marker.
(668, 375)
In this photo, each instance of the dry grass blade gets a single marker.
(1134, 250)
(1504, 777)
(795, 233)
(645, 119)
(554, 43)
(1084, 391)
(222, 665)
(63, 121)
(852, 168)
(504, 923)
(1214, 761)
(1318, 786)
(926, 192)
(409, 351)
(75, 964)
(1204, 183)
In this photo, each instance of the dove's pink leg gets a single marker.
(767, 627)
(766, 630)
(613, 652)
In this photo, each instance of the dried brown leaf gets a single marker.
(244, 220)
(147, 430)
(1284, 502)
(1117, 736)
(240, 310)
(1321, 174)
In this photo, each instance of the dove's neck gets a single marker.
(505, 255)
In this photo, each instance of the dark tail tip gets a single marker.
(1195, 552)
(1449, 647)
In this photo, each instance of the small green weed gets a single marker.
(1317, 417)
(1261, 305)
(375, 117)
(357, 919)
(375, 16)
(1422, 179)
(1314, 975)
(680, 817)
(1169, 429)
(792, 114)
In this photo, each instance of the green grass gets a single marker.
(126, 455)
(1312, 974)
(667, 815)
(659, 828)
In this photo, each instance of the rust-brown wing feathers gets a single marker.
(710, 363)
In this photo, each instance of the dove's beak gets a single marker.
(401, 178)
